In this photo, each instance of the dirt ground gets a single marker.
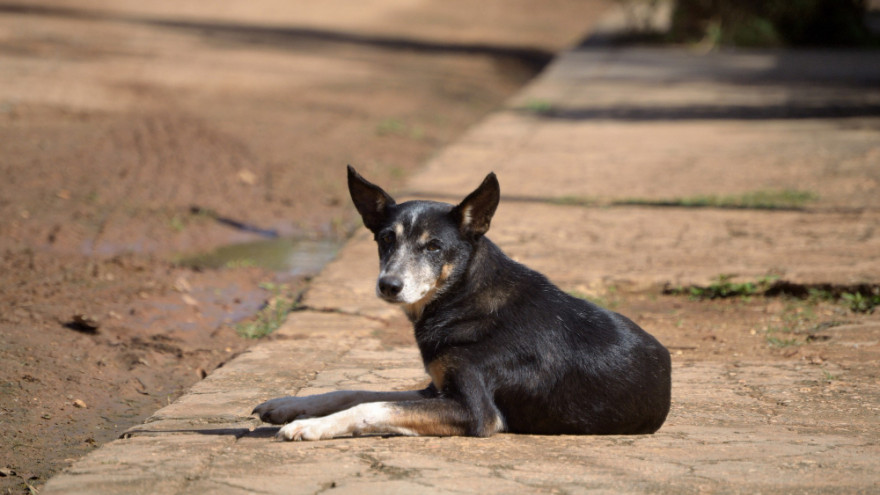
(133, 133)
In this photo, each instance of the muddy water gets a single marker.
(288, 257)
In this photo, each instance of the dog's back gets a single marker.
(555, 363)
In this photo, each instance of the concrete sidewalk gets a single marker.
(583, 155)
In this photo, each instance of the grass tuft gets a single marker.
(397, 127)
(860, 303)
(537, 106)
(272, 315)
(787, 199)
(724, 287)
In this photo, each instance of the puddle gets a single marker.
(294, 257)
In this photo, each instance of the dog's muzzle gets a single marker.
(390, 287)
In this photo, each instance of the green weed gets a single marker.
(572, 201)
(771, 24)
(396, 172)
(780, 343)
(724, 287)
(858, 300)
(396, 127)
(798, 316)
(756, 200)
(828, 376)
(771, 335)
(860, 303)
(176, 223)
(799, 325)
(537, 106)
(273, 314)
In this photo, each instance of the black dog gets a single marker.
(506, 349)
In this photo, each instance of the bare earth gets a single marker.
(118, 118)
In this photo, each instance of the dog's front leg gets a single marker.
(286, 409)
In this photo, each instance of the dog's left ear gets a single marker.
(369, 199)
(474, 213)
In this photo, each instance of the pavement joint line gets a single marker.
(339, 311)
(601, 203)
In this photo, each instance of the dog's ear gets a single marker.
(369, 199)
(474, 213)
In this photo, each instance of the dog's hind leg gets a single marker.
(286, 409)
(465, 408)
(431, 417)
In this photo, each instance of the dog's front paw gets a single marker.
(280, 411)
(306, 429)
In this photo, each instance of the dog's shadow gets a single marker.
(260, 432)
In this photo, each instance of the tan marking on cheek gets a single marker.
(445, 272)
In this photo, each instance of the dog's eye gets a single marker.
(433, 246)
(386, 239)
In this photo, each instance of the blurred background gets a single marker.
(174, 171)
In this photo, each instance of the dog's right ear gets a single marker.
(474, 213)
(369, 199)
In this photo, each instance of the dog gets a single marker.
(506, 350)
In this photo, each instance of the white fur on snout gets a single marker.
(417, 275)
(363, 419)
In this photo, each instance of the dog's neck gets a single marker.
(481, 291)
(415, 310)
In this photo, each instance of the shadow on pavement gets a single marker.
(785, 111)
(261, 432)
(533, 58)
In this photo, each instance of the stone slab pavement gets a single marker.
(580, 155)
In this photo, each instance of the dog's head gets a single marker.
(424, 246)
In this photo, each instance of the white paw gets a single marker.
(305, 429)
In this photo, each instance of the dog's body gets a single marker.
(506, 350)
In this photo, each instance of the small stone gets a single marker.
(79, 403)
(84, 323)
(245, 176)
(182, 285)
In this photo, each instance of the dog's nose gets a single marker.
(390, 286)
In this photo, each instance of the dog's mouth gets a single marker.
(401, 296)
(390, 299)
